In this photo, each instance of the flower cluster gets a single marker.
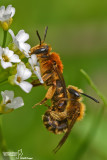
(9, 103)
(12, 61)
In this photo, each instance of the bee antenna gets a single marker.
(45, 33)
(38, 36)
(90, 97)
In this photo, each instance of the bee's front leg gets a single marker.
(36, 83)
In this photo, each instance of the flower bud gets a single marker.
(11, 79)
(6, 24)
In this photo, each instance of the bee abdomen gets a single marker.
(55, 126)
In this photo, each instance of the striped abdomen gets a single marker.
(54, 125)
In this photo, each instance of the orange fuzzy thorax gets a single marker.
(49, 63)
(55, 57)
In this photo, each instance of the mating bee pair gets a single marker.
(66, 106)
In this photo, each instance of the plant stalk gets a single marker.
(3, 147)
(4, 39)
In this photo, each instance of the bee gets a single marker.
(51, 68)
(66, 103)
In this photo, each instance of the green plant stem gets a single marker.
(4, 39)
(94, 87)
(3, 147)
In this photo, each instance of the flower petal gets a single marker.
(5, 64)
(34, 58)
(8, 52)
(22, 36)
(23, 72)
(38, 74)
(16, 103)
(12, 34)
(26, 86)
(10, 10)
(27, 74)
(14, 39)
(7, 95)
(31, 62)
(20, 69)
(5, 17)
(24, 47)
(2, 10)
(1, 52)
(14, 58)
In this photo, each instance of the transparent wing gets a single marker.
(60, 75)
(62, 141)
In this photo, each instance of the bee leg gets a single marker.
(51, 91)
(36, 83)
(58, 115)
(66, 99)
(46, 76)
(49, 95)
(46, 105)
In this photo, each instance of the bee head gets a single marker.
(76, 94)
(73, 93)
(42, 48)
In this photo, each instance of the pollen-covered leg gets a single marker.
(50, 92)
(49, 95)
(58, 115)
(46, 76)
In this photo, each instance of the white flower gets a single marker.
(9, 101)
(23, 73)
(7, 56)
(19, 41)
(35, 67)
(6, 14)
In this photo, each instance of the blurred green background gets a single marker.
(78, 32)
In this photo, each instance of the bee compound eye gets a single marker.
(77, 94)
(74, 92)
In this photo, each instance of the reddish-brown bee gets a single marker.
(66, 106)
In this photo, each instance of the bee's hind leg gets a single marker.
(48, 95)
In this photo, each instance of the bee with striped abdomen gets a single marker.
(66, 106)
